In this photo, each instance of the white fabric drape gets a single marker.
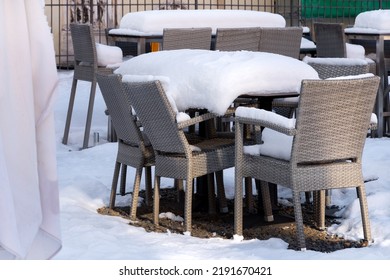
(29, 199)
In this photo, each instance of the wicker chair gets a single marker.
(134, 148)
(237, 39)
(86, 65)
(326, 68)
(176, 156)
(285, 41)
(327, 142)
(331, 42)
(186, 38)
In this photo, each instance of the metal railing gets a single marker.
(105, 14)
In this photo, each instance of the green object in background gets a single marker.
(338, 8)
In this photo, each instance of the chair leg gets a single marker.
(223, 208)
(148, 185)
(328, 197)
(156, 200)
(299, 220)
(114, 185)
(265, 193)
(238, 211)
(361, 191)
(89, 114)
(319, 209)
(188, 205)
(70, 111)
(178, 185)
(122, 189)
(134, 203)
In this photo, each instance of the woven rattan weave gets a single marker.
(186, 38)
(237, 39)
(284, 41)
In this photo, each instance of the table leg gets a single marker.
(381, 69)
(266, 104)
(141, 46)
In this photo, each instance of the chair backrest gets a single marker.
(83, 43)
(157, 116)
(237, 39)
(332, 119)
(337, 67)
(119, 109)
(330, 39)
(281, 40)
(186, 38)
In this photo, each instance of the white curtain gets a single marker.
(29, 200)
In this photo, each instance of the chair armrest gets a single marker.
(289, 102)
(195, 120)
(265, 118)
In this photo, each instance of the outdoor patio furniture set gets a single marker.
(323, 142)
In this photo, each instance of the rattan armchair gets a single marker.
(176, 156)
(134, 148)
(186, 38)
(85, 67)
(326, 145)
(331, 42)
(327, 68)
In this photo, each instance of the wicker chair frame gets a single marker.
(331, 41)
(175, 156)
(86, 65)
(134, 148)
(328, 142)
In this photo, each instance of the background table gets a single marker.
(145, 27)
(382, 102)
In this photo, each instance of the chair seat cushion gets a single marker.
(108, 55)
(275, 144)
(355, 51)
